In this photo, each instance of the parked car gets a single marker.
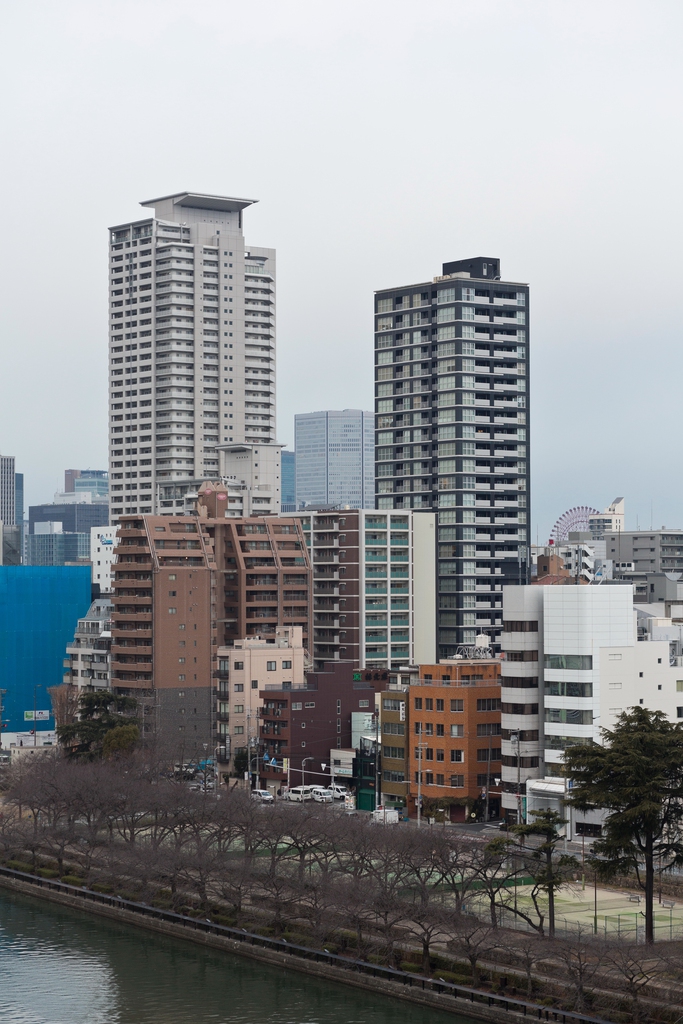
(322, 795)
(338, 792)
(300, 793)
(263, 796)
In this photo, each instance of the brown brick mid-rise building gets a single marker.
(453, 735)
(185, 585)
(443, 720)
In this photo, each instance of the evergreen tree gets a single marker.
(99, 712)
(548, 871)
(637, 777)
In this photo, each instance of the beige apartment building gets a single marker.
(191, 348)
(250, 666)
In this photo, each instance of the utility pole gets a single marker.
(419, 783)
(519, 779)
(488, 781)
(2, 708)
(377, 777)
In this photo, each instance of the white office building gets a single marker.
(192, 347)
(575, 658)
(102, 544)
(335, 459)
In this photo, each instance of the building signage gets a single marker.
(40, 716)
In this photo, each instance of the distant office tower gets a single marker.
(84, 481)
(18, 498)
(335, 458)
(192, 346)
(8, 499)
(60, 533)
(452, 380)
(288, 474)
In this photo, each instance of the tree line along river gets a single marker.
(58, 966)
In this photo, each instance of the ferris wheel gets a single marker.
(574, 520)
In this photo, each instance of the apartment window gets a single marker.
(418, 728)
(439, 780)
(239, 709)
(439, 704)
(429, 704)
(440, 755)
(297, 705)
(457, 755)
(457, 730)
(679, 712)
(363, 703)
(389, 705)
(309, 704)
(181, 678)
(429, 729)
(439, 729)
(286, 664)
(398, 753)
(172, 611)
(238, 730)
(457, 781)
(271, 666)
(418, 703)
(239, 687)
(457, 705)
(429, 779)
(238, 665)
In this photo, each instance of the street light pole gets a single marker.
(303, 769)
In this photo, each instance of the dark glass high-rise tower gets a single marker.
(452, 432)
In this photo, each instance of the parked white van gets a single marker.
(301, 793)
(322, 795)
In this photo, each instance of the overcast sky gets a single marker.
(382, 138)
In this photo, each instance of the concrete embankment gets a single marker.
(459, 1000)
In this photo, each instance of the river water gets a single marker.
(61, 967)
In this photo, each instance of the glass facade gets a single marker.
(335, 458)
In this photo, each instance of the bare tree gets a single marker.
(473, 940)
(635, 968)
(527, 950)
(581, 956)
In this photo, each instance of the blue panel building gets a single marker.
(39, 608)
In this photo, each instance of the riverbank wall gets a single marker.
(495, 1008)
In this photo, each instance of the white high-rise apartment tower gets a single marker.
(191, 347)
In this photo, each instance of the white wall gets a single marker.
(424, 587)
